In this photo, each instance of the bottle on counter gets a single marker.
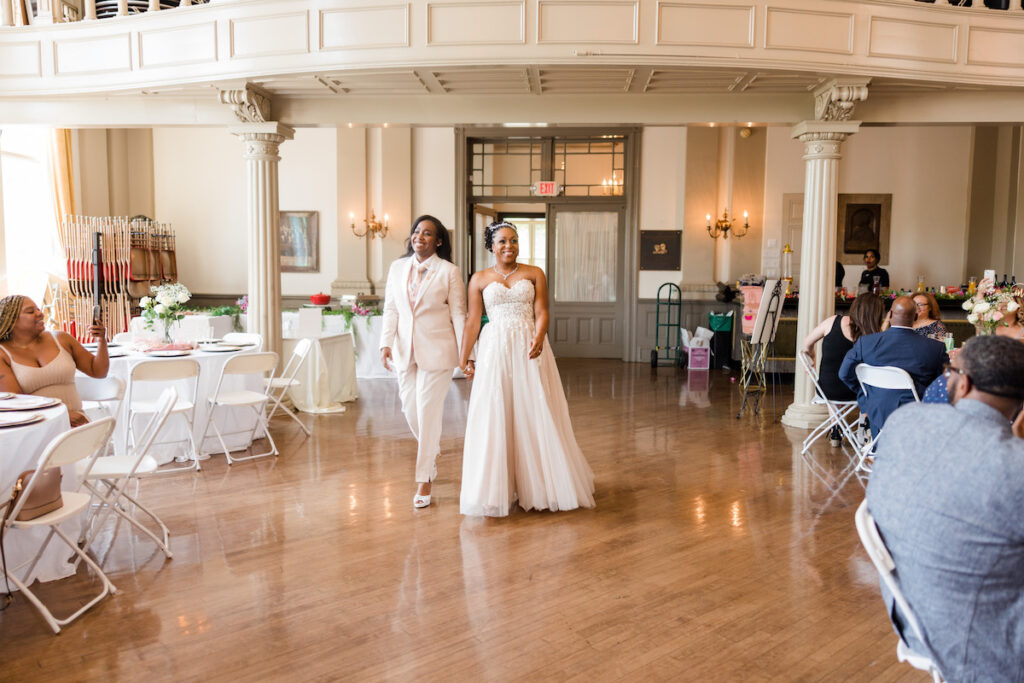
(920, 284)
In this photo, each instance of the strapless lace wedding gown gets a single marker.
(519, 439)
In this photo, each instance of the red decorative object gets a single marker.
(320, 299)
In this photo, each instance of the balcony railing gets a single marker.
(30, 12)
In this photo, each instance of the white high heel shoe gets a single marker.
(421, 501)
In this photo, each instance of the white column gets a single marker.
(726, 167)
(6, 13)
(90, 10)
(822, 143)
(262, 141)
(122, 8)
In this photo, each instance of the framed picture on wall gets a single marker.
(299, 237)
(862, 224)
(661, 249)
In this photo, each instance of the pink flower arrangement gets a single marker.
(243, 303)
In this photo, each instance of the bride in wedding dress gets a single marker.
(519, 440)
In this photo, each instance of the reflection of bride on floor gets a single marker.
(519, 439)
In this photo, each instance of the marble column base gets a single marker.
(804, 415)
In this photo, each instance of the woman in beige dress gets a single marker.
(34, 361)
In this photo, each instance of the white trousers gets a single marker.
(423, 393)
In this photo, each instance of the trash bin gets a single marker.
(721, 344)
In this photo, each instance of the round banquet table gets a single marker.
(20, 448)
(228, 419)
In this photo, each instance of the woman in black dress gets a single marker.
(873, 270)
(837, 334)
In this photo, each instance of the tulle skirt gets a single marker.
(519, 439)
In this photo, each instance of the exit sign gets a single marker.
(546, 188)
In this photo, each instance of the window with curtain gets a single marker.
(32, 250)
(585, 256)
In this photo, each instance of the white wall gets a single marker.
(199, 176)
(926, 169)
(662, 196)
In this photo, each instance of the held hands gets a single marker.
(469, 369)
(536, 347)
(385, 357)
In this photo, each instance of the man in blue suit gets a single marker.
(898, 346)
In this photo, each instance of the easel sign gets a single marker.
(769, 312)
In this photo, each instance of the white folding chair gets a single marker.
(124, 338)
(880, 377)
(286, 380)
(244, 339)
(82, 445)
(882, 559)
(262, 364)
(110, 476)
(164, 372)
(101, 394)
(838, 411)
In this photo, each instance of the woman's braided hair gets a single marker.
(10, 309)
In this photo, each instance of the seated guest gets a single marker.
(929, 321)
(840, 274)
(43, 363)
(837, 334)
(871, 259)
(900, 347)
(947, 491)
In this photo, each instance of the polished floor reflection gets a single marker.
(715, 553)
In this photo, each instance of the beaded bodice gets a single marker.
(510, 305)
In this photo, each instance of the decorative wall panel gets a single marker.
(919, 40)
(587, 21)
(272, 34)
(21, 59)
(362, 27)
(690, 23)
(788, 29)
(178, 45)
(476, 23)
(994, 47)
(101, 54)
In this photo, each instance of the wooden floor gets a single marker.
(715, 553)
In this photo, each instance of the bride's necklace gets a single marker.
(505, 277)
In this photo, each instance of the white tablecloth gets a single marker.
(366, 330)
(20, 448)
(228, 419)
(328, 377)
(191, 327)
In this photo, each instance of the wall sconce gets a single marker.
(374, 227)
(723, 226)
(611, 187)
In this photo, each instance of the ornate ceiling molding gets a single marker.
(835, 100)
(251, 104)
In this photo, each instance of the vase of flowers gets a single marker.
(987, 309)
(166, 305)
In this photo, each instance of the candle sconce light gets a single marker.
(724, 225)
(372, 226)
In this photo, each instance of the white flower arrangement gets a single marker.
(166, 304)
(987, 309)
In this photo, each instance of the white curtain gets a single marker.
(585, 255)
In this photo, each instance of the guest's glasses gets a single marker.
(948, 369)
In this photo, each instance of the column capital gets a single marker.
(822, 139)
(262, 140)
(835, 99)
(250, 103)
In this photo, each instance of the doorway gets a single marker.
(577, 235)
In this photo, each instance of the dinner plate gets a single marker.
(209, 341)
(175, 353)
(245, 343)
(94, 345)
(25, 402)
(19, 420)
(117, 353)
(221, 348)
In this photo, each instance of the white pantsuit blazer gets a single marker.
(427, 331)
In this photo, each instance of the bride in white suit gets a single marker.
(424, 315)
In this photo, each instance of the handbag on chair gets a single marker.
(46, 497)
